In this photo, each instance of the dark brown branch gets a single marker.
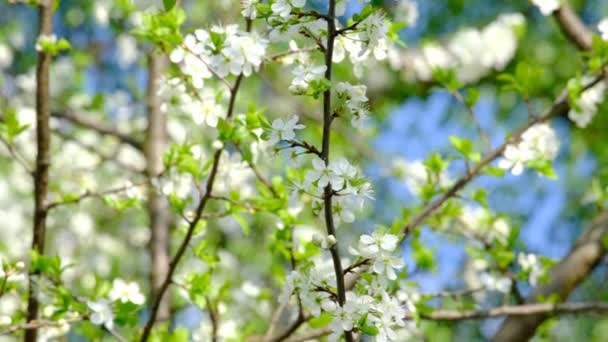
(327, 198)
(98, 127)
(157, 208)
(43, 157)
(573, 28)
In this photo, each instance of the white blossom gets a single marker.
(530, 263)
(602, 26)
(539, 142)
(588, 104)
(102, 313)
(284, 130)
(547, 7)
(304, 74)
(249, 8)
(126, 292)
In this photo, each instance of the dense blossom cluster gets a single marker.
(539, 142)
(221, 51)
(472, 53)
(374, 302)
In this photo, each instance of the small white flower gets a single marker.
(126, 292)
(102, 313)
(324, 175)
(547, 7)
(603, 28)
(284, 130)
(249, 8)
(304, 75)
(539, 142)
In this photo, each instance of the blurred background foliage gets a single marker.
(411, 120)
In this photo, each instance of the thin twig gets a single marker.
(89, 194)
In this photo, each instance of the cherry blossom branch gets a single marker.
(98, 127)
(327, 198)
(559, 107)
(197, 216)
(43, 157)
(311, 149)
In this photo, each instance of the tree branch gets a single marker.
(157, 208)
(43, 157)
(327, 198)
(559, 107)
(573, 28)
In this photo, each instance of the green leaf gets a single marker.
(472, 97)
(463, 145)
(322, 321)
(423, 256)
(480, 196)
(169, 4)
(243, 223)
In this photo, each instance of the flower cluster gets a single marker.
(418, 176)
(350, 188)
(203, 108)
(284, 130)
(531, 265)
(221, 51)
(123, 292)
(588, 103)
(538, 143)
(472, 53)
(480, 223)
(380, 248)
(371, 305)
(304, 75)
(547, 7)
(369, 37)
(355, 102)
(478, 274)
